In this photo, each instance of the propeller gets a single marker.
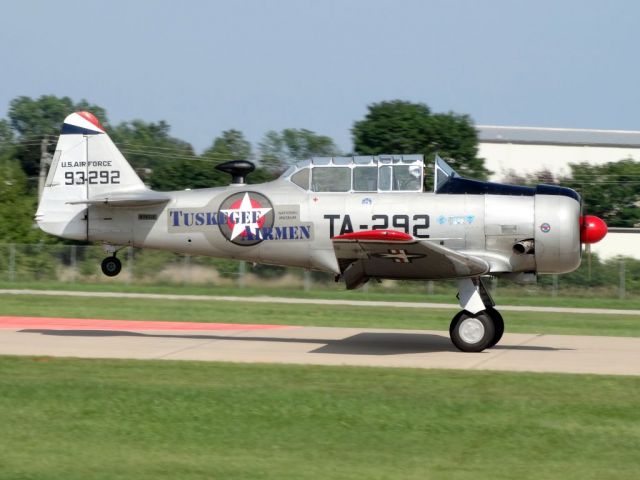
(587, 247)
(592, 230)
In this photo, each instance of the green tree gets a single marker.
(400, 127)
(200, 172)
(149, 145)
(543, 175)
(610, 191)
(17, 208)
(6, 139)
(183, 173)
(231, 145)
(43, 116)
(32, 119)
(261, 175)
(280, 149)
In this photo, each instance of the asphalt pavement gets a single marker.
(88, 338)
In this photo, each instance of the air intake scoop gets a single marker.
(238, 169)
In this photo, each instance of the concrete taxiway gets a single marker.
(312, 345)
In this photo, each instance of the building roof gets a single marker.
(558, 136)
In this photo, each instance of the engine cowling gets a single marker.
(560, 230)
(557, 231)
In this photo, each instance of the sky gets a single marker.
(208, 66)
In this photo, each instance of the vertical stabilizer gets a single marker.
(86, 164)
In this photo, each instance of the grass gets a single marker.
(103, 419)
(309, 315)
(411, 292)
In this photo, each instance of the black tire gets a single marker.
(111, 266)
(472, 333)
(454, 321)
(498, 324)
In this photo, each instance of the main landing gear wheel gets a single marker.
(111, 266)
(472, 333)
(498, 324)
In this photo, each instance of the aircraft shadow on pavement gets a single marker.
(366, 343)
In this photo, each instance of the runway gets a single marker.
(93, 338)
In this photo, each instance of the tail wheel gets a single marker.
(111, 266)
(472, 333)
(498, 324)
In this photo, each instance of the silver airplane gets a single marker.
(359, 218)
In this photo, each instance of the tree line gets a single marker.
(166, 163)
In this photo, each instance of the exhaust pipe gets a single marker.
(524, 247)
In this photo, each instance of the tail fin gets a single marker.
(86, 164)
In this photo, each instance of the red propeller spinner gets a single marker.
(592, 229)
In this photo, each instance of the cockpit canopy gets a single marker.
(383, 173)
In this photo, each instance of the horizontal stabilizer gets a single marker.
(126, 199)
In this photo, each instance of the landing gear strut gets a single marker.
(478, 326)
(111, 266)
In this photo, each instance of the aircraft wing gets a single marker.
(127, 199)
(393, 254)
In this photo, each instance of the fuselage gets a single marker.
(93, 194)
(284, 225)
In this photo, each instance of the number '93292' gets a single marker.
(80, 177)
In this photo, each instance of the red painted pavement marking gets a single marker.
(51, 323)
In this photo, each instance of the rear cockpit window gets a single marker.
(331, 179)
(384, 181)
(365, 179)
(407, 177)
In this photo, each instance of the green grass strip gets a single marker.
(408, 292)
(107, 419)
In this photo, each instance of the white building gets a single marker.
(531, 149)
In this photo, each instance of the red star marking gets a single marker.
(249, 206)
